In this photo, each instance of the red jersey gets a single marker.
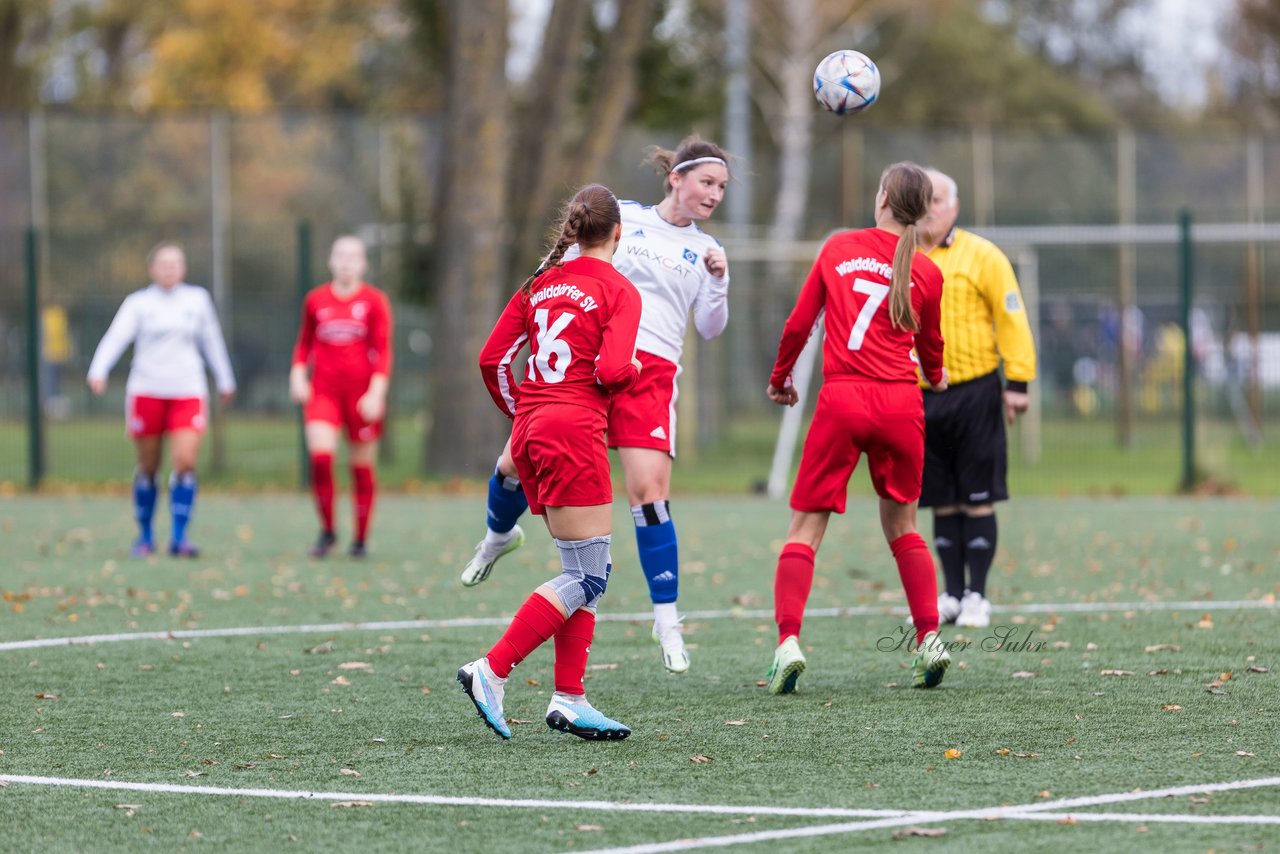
(580, 320)
(850, 281)
(346, 341)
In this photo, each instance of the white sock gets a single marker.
(571, 699)
(495, 542)
(665, 616)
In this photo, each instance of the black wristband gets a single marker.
(1016, 385)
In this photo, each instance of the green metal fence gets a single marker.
(257, 200)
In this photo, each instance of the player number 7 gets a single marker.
(876, 293)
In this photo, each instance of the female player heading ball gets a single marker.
(345, 339)
(579, 318)
(677, 268)
(881, 299)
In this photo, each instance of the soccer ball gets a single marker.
(846, 82)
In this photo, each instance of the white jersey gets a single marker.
(667, 265)
(174, 333)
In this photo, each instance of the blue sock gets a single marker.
(659, 552)
(506, 503)
(144, 503)
(182, 500)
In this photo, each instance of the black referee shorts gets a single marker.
(965, 449)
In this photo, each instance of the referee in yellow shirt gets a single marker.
(983, 322)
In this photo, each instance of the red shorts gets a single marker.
(560, 456)
(644, 416)
(884, 420)
(338, 407)
(155, 416)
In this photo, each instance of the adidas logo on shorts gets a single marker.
(658, 432)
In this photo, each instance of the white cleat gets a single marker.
(975, 611)
(674, 656)
(948, 608)
(481, 563)
(584, 720)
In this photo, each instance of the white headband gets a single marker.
(683, 165)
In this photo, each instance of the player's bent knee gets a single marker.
(584, 576)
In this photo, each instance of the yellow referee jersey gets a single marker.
(983, 317)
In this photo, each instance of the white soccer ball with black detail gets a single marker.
(846, 82)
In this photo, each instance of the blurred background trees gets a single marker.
(487, 112)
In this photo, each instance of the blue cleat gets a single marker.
(486, 692)
(583, 720)
(143, 548)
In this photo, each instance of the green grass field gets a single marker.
(368, 714)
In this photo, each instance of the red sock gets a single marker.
(573, 644)
(362, 486)
(919, 580)
(322, 487)
(536, 621)
(791, 586)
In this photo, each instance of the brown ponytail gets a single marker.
(907, 191)
(588, 219)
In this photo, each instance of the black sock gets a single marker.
(948, 540)
(979, 549)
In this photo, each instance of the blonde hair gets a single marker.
(907, 192)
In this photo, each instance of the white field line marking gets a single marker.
(640, 617)
(1021, 811)
(1148, 818)
(443, 800)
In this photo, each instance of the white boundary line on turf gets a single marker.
(1148, 818)
(742, 614)
(1024, 811)
(448, 801)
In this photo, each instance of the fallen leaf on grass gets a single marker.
(193, 774)
(590, 772)
(349, 772)
(276, 756)
(953, 753)
(761, 683)
(701, 758)
(246, 766)
(1163, 671)
(1223, 677)
(1027, 755)
(609, 666)
(1045, 793)
(356, 665)
(1117, 672)
(320, 649)
(1069, 820)
(587, 828)
(1217, 692)
(1170, 707)
(351, 804)
(341, 680)
(1023, 674)
(1255, 669)
(742, 722)
(1206, 622)
(517, 721)
(919, 831)
(129, 809)
(46, 696)
(534, 682)
(1196, 800)
(1162, 647)
(3, 784)
(1243, 753)
(1003, 751)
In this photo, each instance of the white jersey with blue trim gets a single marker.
(174, 334)
(667, 264)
